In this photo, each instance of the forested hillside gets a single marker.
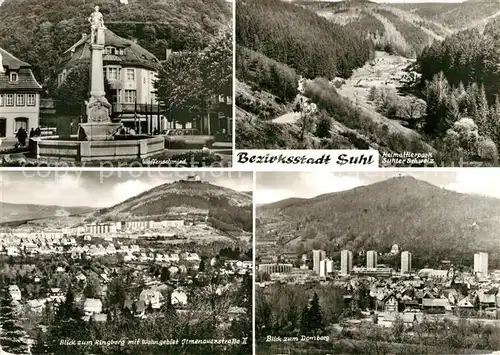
(449, 225)
(38, 31)
(299, 38)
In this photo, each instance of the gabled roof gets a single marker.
(9, 61)
(135, 55)
(25, 80)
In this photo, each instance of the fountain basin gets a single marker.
(122, 148)
(97, 131)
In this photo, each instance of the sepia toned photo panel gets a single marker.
(106, 83)
(387, 262)
(157, 262)
(415, 80)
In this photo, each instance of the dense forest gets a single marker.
(460, 82)
(46, 28)
(299, 38)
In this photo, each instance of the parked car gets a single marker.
(186, 138)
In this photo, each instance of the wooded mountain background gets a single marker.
(434, 224)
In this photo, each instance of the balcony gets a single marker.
(119, 108)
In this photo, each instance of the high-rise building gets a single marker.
(405, 262)
(329, 266)
(481, 264)
(371, 259)
(322, 268)
(345, 262)
(318, 255)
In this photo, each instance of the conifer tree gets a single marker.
(12, 337)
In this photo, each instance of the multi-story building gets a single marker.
(371, 259)
(318, 255)
(130, 72)
(275, 268)
(405, 262)
(481, 264)
(345, 262)
(19, 96)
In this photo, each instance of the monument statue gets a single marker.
(98, 125)
(96, 22)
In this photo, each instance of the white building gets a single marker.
(405, 262)
(92, 306)
(345, 262)
(15, 292)
(318, 256)
(178, 297)
(130, 71)
(19, 96)
(481, 264)
(371, 259)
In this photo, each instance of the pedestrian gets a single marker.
(38, 132)
(32, 133)
(21, 136)
(205, 149)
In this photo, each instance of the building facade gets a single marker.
(130, 72)
(275, 268)
(318, 256)
(19, 96)
(345, 262)
(481, 264)
(405, 262)
(371, 259)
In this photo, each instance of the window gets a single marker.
(112, 73)
(1, 100)
(110, 50)
(13, 76)
(119, 96)
(19, 99)
(121, 51)
(129, 97)
(130, 74)
(9, 100)
(31, 99)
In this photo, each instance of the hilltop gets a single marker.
(46, 28)
(432, 222)
(225, 209)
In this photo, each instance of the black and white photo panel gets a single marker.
(130, 262)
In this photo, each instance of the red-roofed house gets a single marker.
(19, 96)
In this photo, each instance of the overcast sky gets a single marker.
(100, 189)
(271, 186)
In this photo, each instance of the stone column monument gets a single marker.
(99, 125)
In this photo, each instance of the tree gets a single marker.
(413, 110)
(12, 338)
(315, 316)
(323, 126)
(180, 87)
(70, 96)
(67, 324)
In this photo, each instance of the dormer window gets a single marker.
(110, 50)
(13, 76)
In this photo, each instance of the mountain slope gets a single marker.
(10, 212)
(433, 223)
(226, 209)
